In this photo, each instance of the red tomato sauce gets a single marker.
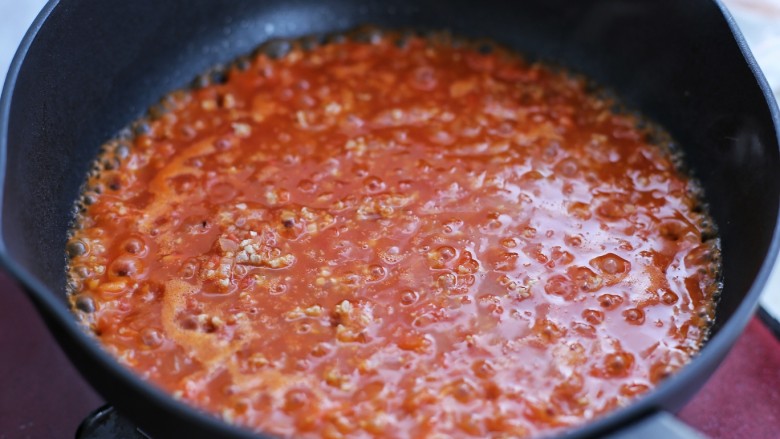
(399, 240)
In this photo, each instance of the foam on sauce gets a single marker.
(395, 240)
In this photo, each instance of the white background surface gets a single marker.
(759, 20)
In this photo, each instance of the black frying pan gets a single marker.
(87, 67)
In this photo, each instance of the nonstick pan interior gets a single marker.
(93, 66)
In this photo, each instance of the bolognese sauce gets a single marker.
(395, 237)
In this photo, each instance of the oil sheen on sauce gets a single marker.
(394, 238)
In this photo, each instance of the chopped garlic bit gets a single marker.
(358, 146)
(333, 108)
(301, 117)
(295, 314)
(242, 129)
(314, 311)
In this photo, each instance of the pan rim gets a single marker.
(712, 352)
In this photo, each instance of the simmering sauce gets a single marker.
(414, 239)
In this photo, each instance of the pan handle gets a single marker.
(657, 425)
(105, 423)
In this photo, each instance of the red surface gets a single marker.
(42, 396)
(742, 399)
